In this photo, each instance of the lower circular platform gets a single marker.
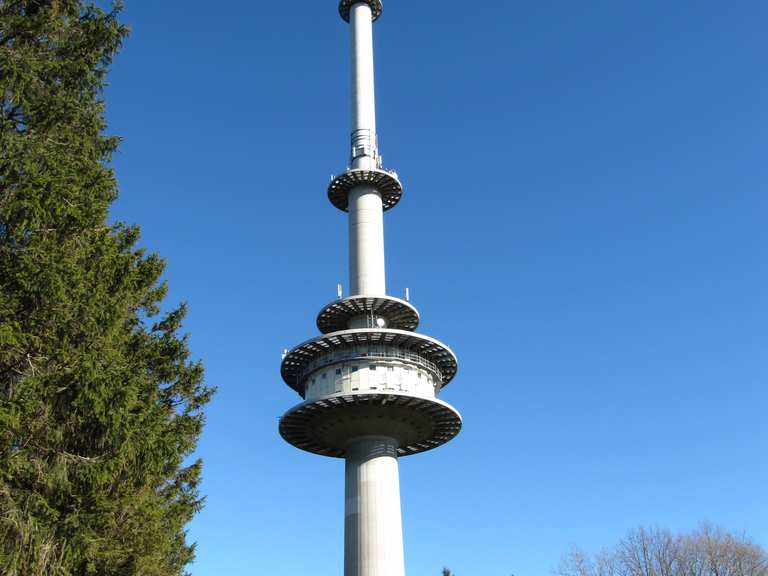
(326, 426)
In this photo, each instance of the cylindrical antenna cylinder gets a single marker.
(366, 212)
(364, 146)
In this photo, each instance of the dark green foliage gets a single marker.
(99, 404)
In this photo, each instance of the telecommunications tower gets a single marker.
(370, 382)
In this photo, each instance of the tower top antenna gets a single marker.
(345, 6)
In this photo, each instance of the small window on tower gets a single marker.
(372, 367)
(338, 371)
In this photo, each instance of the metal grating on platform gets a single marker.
(345, 6)
(399, 314)
(432, 350)
(386, 183)
(302, 426)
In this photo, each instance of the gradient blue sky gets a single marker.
(584, 222)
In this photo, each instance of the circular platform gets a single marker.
(386, 183)
(345, 6)
(399, 314)
(435, 353)
(326, 426)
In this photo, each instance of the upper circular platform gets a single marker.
(399, 314)
(345, 6)
(385, 182)
(434, 352)
(326, 426)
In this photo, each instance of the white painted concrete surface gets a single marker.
(366, 212)
(372, 377)
(373, 533)
(366, 242)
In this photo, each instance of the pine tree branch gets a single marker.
(82, 458)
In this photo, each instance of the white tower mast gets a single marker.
(370, 382)
(366, 212)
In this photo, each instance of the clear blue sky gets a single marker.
(584, 222)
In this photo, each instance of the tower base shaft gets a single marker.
(373, 527)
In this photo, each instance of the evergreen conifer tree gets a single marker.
(99, 402)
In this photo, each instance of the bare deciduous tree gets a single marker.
(654, 552)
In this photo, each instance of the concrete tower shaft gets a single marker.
(373, 545)
(367, 276)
